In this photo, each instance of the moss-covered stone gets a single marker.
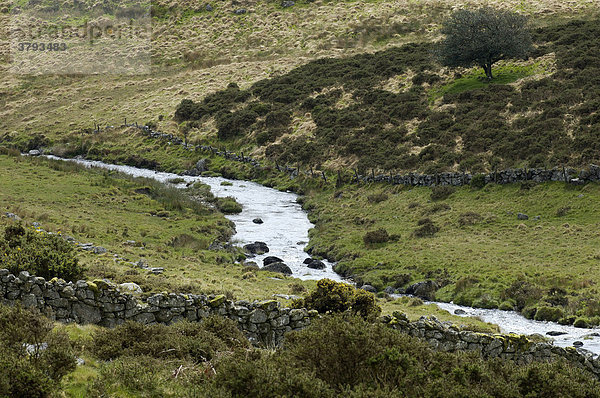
(217, 301)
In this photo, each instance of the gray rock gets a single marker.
(130, 287)
(256, 248)
(86, 313)
(99, 250)
(240, 11)
(287, 3)
(156, 270)
(316, 264)
(271, 259)
(258, 316)
(278, 267)
(35, 152)
(257, 220)
(522, 216)
(425, 289)
(555, 333)
(459, 311)
(208, 8)
(369, 288)
(389, 290)
(12, 216)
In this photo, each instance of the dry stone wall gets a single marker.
(103, 303)
(445, 336)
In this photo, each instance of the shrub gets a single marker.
(228, 205)
(436, 208)
(29, 368)
(469, 218)
(39, 253)
(426, 228)
(377, 197)
(523, 293)
(527, 185)
(441, 192)
(478, 181)
(331, 297)
(194, 341)
(552, 314)
(377, 236)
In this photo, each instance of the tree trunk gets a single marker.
(488, 70)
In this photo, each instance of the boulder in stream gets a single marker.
(555, 333)
(257, 220)
(278, 267)
(316, 264)
(271, 259)
(256, 248)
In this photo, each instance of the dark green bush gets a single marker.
(426, 229)
(29, 369)
(469, 218)
(228, 205)
(478, 181)
(377, 236)
(39, 253)
(194, 341)
(441, 192)
(552, 314)
(331, 296)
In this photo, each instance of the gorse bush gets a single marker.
(194, 341)
(343, 355)
(33, 358)
(331, 296)
(39, 253)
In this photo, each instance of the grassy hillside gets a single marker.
(472, 243)
(398, 110)
(109, 210)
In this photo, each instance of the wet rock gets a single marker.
(256, 248)
(257, 220)
(307, 260)
(369, 288)
(555, 333)
(389, 290)
(459, 311)
(271, 259)
(522, 216)
(425, 289)
(278, 267)
(35, 152)
(316, 264)
(577, 344)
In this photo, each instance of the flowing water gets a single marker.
(285, 231)
(285, 225)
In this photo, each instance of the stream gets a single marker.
(285, 225)
(285, 231)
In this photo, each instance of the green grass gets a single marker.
(414, 309)
(107, 210)
(505, 73)
(476, 263)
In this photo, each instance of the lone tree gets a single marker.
(483, 37)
